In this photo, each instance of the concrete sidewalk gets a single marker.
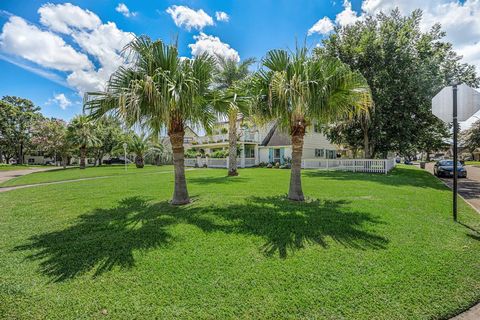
(10, 174)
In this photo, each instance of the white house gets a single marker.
(267, 144)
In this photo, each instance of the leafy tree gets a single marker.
(17, 116)
(49, 136)
(81, 134)
(109, 133)
(159, 90)
(471, 137)
(232, 99)
(404, 68)
(7, 131)
(296, 89)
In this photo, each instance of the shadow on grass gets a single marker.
(216, 180)
(107, 238)
(397, 177)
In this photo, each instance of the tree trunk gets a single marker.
(64, 161)
(366, 145)
(100, 157)
(83, 152)
(295, 192)
(139, 163)
(232, 144)
(180, 193)
(20, 155)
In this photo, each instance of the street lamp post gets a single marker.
(125, 152)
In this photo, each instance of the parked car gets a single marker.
(444, 168)
(115, 160)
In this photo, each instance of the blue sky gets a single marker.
(51, 52)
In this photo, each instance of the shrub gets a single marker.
(219, 154)
(277, 165)
(269, 165)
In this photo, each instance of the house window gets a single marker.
(249, 151)
(276, 155)
(331, 154)
(320, 153)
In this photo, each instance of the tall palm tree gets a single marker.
(297, 89)
(232, 99)
(160, 91)
(141, 146)
(81, 134)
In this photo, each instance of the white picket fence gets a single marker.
(218, 162)
(354, 165)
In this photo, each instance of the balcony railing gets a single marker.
(222, 138)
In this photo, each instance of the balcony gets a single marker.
(245, 136)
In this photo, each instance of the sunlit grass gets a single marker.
(361, 247)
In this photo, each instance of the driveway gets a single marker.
(10, 174)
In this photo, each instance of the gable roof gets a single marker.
(276, 137)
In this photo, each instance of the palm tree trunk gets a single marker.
(83, 151)
(232, 144)
(139, 163)
(295, 192)
(180, 193)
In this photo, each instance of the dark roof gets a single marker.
(276, 137)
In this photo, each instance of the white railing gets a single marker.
(190, 162)
(245, 136)
(354, 165)
(250, 162)
(217, 162)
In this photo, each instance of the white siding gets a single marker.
(315, 140)
(263, 152)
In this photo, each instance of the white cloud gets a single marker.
(347, 16)
(100, 45)
(188, 18)
(45, 48)
(65, 17)
(222, 16)
(123, 9)
(322, 26)
(61, 100)
(213, 45)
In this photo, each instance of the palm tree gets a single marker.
(81, 135)
(142, 146)
(160, 91)
(297, 89)
(232, 99)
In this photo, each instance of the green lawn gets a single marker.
(75, 173)
(472, 163)
(362, 247)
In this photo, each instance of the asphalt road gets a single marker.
(468, 188)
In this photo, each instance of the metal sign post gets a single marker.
(452, 104)
(455, 152)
